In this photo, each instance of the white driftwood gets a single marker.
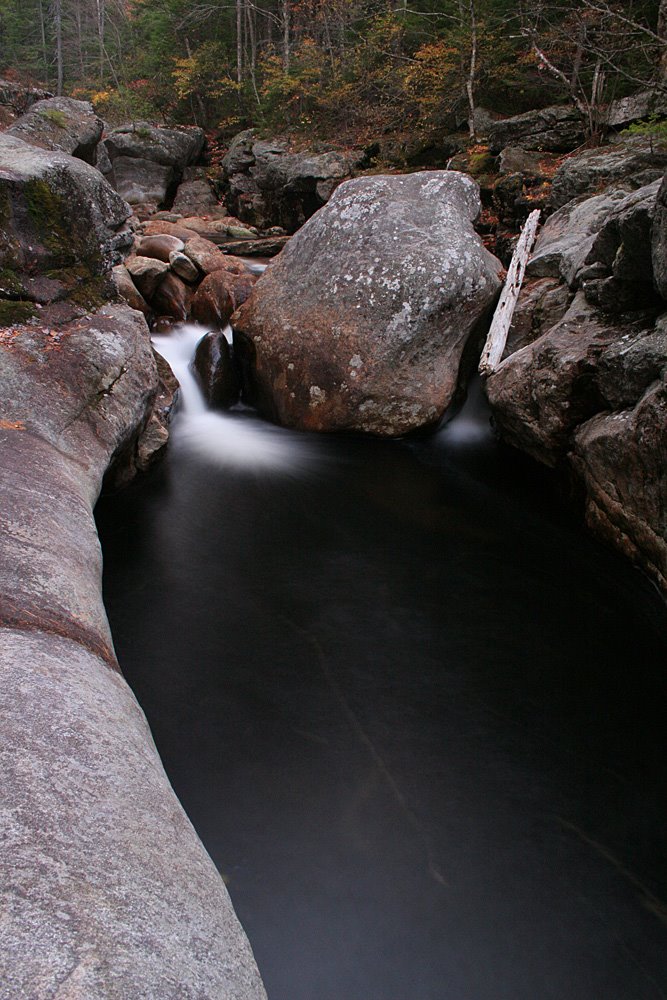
(502, 318)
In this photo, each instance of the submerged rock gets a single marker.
(361, 322)
(215, 371)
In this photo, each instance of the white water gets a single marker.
(233, 439)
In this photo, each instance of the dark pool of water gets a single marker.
(415, 713)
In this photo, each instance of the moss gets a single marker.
(92, 294)
(15, 313)
(54, 116)
(48, 214)
(10, 285)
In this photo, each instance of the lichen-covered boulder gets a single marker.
(659, 240)
(362, 321)
(61, 123)
(62, 227)
(104, 887)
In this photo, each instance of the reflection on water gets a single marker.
(415, 713)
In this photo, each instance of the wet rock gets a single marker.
(146, 273)
(620, 458)
(209, 258)
(542, 303)
(127, 289)
(184, 267)
(558, 129)
(62, 228)
(100, 858)
(213, 303)
(268, 246)
(659, 240)
(172, 297)
(266, 184)
(361, 322)
(632, 163)
(163, 228)
(215, 371)
(542, 393)
(160, 247)
(147, 161)
(63, 124)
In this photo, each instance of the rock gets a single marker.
(620, 457)
(19, 97)
(127, 289)
(265, 247)
(632, 162)
(213, 303)
(172, 297)
(628, 110)
(542, 393)
(218, 230)
(632, 364)
(266, 184)
(196, 197)
(105, 885)
(568, 236)
(558, 129)
(63, 124)
(659, 240)
(515, 160)
(146, 273)
(163, 228)
(184, 267)
(147, 161)
(361, 322)
(62, 228)
(542, 303)
(216, 372)
(160, 247)
(209, 258)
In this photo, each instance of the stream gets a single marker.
(415, 712)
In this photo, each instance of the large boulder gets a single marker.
(268, 185)
(145, 163)
(19, 97)
(106, 889)
(61, 123)
(62, 227)
(558, 129)
(635, 108)
(362, 321)
(632, 163)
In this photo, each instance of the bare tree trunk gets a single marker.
(472, 71)
(239, 42)
(101, 19)
(286, 34)
(42, 36)
(662, 35)
(58, 27)
(197, 95)
(251, 15)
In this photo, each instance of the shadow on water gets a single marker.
(415, 713)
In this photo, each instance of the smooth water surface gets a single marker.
(415, 713)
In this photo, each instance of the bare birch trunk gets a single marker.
(502, 318)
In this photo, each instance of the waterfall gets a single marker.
(237, 438)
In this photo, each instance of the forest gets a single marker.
(350, 69)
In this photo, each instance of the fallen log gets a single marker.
(502, 318)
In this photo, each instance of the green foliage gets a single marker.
(654, 128)
(55, 117)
